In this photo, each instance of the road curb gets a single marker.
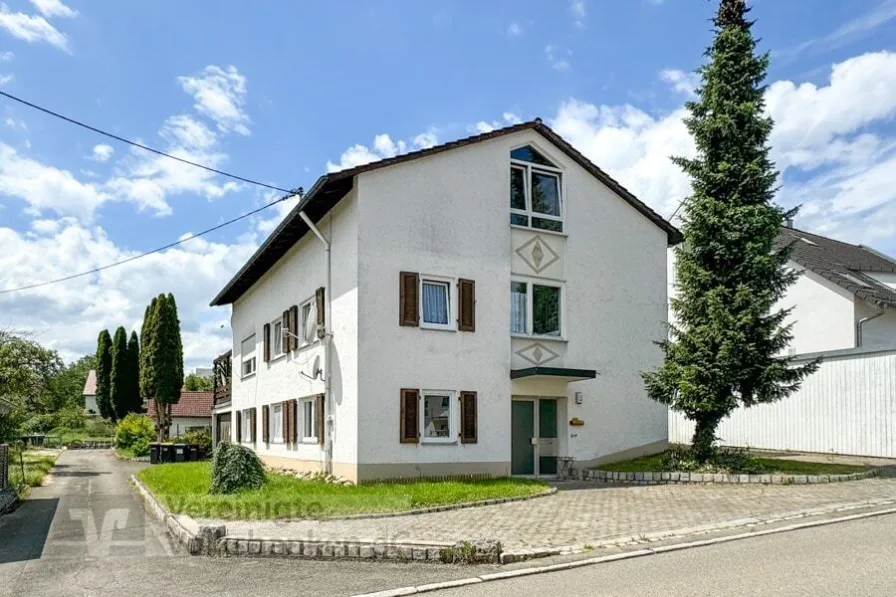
(414, 590)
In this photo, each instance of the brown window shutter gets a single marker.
(294, 327)
(321, 309)
(284, 327)
(239, 426)
(319, 415)
(267, 342)
(265, 420)
(466, 305)
(252, 428)
(409, 302)
(410, 404)
(293, 421)
(468, 418)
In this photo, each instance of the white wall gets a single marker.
(880, 331)
(292, 281)
(448, 215)
(823, 314)
(90, 404)
(847, 407)
(179, 425)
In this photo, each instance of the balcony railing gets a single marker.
(221, 377)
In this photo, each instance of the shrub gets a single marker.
(140, 447)
(132, 429)
(201, 438)
(235, 467)
(725, 460)
(71, 417)
(97, 427)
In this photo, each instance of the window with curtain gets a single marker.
(518, 302)
(309, 322)
(308, 416)
(277, 337)
(435, 303)
(246, 424)
(276, 423)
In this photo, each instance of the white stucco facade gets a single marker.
(446, 216)
(180, 425)
(90, 406)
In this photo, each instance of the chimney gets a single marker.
(788, 222)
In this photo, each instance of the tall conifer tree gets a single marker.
(103, 375)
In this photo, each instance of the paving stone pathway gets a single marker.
(587, 514)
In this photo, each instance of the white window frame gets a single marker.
(312, 439)
(275, 420)
(275, 337)
(450, 284)
(453, 417)
(311, 305)
(250, 357)
(530, 314)
(528, 168)
(246, 422)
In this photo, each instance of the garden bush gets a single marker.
(201, 438)
(134, 429)
(235, 467)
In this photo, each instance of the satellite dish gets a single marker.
(316, 371)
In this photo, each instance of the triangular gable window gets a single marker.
(529, 154)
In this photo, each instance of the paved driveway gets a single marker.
(86, 534)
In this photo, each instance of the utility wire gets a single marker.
(290, 194)
(140, 145)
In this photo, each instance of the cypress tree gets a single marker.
(133, 375)
(103, 375)
(118, 390)
(723, 348)
(147, 373)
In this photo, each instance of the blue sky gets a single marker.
(282, 91)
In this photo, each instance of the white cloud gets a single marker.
(4, 79)
(102, 152)
(579, 12)
(17, 124)
(31, 28)
(509, 118)
(830, 161)
(383, 147)
(68, 316)
(557, 57)
(53, 8)
(6, 56)
(45, 188)
(515, 30)
(680, 81)
(220, 95)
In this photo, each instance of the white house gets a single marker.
(845, 297)
(481, 307)
(193, 412)
(89, 394)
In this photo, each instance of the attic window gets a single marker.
(529, 154)
(535, 200)
(856, 281)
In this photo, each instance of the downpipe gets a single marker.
(861, 323)
(329, 419)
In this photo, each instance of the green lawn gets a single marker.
(37, 464)
(184, 488)
(763, 465)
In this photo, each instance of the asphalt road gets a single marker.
(87, 534)
(855, 558)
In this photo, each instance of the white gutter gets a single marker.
(861, 323)
(329, 418)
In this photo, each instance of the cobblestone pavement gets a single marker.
(588, 514)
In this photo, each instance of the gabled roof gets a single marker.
(843, 264)
(90, 384)
(192, 404)
(331, 188)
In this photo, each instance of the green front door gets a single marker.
(522, 430)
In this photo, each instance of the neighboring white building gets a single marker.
(846, 297)
(193, 412)
(482, 307)
(89, 393)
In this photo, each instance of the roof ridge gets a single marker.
(825, 237)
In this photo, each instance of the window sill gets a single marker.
(279, 357)
(247, 376)
(438, 328)
(438, 442)
(307, 345)
(309, 442)
(539, 338)
(539, 230)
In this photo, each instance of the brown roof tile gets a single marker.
(192, 404)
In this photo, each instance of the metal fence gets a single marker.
(847, 407)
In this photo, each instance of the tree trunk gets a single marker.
(703, 443)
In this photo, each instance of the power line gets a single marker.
(290, 194)
(140, 145)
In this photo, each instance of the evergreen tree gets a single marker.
(147, 372)
(161, 360)
(118, 395)
(730, 272)
(103, 375)
(133, 375)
